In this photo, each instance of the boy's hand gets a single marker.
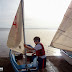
(28, 47)
(25, 45)
(33, 54)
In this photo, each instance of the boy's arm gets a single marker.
(30, 48)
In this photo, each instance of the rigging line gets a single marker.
(66, 36)
(69, 8)
(67, 17)
(61, 30)
(62, 45)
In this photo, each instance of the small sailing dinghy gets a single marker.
(16, 41)
(63, 36)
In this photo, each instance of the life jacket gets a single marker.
(40, 52)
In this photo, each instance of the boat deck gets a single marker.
(54, 64)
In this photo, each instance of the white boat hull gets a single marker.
(67, 56)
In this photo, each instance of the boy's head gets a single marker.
(36, 40)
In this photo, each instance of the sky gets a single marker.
(37, 13)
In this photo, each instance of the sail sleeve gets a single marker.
(63, 36)
(16, 37)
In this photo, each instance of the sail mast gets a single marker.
(22, 4)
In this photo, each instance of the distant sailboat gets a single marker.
(63, 36)
(16, 40)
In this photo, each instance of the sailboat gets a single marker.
(16, 41)
(63, 36)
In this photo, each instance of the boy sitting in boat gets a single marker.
(40, 52)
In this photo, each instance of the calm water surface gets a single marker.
(46, 36)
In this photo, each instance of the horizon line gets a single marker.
(33, 28)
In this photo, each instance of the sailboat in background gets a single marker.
(16, 41)
(63, 36)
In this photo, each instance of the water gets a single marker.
(4, 51)
(46, 36)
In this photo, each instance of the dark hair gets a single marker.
(36, 38)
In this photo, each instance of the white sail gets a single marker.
(63, 36)
(16, 37)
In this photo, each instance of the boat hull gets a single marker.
(67, 56)
(22, 68)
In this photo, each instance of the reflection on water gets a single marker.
(57, 53)
(45, 35)
(52, 52)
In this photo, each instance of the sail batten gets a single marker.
(63, 36)
(16, 35)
